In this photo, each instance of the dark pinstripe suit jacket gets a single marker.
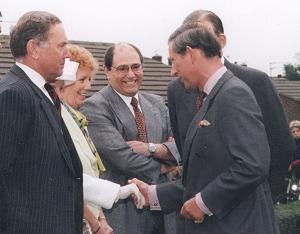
(40, 172)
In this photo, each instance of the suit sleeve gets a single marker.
(280, 139)
(242, 132)
(172, 147)
(14, 120)
(173, 117)
(112, 146)
(170, 196)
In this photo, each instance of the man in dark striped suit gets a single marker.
(40, 172)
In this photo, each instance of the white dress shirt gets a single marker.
(35, 77)
(127, 101)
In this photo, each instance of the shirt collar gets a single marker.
(127, 99)
(214, 79)
(34, 76)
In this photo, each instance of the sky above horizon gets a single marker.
(262, 34)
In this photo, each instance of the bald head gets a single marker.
(109, 55)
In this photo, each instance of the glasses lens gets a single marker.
(136, 67)
(123, 68)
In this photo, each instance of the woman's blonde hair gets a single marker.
(82, 56)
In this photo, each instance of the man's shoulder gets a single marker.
(175, 83)
(245, 72)
(97, 97)
(11, 82)
(233, 85)
(153, 98)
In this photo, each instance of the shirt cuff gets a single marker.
(201, 205)
(153, 199)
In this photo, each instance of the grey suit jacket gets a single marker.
(111, 124)
(182, 110)
(40, 172)
(228, 162)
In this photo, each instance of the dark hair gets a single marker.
(32, 25)
(198, 36)
(109, 54)
(203, 16)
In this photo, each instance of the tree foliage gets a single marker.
(292, 72)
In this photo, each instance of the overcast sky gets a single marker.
(259, 32)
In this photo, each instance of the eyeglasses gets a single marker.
(124, 68)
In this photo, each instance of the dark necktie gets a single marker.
(53, 96)
(199, 100)
(139, 120)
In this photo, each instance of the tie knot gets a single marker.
(134, 102)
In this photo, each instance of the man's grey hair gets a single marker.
(32, 25)
(195, 35)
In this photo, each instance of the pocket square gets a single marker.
(203, 123)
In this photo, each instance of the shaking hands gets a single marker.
(143, 188)
(131, 189)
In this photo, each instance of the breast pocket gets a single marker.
(204, 141)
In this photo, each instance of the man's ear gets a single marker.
(222, 38)
(106, 71)
(32, 49)
(191, 53)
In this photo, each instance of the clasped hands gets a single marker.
(189, 210)
(131, 189)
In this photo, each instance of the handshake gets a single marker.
(105, 193)
(138, 191)
(132, 189)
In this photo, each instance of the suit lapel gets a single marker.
(153, 123)
(50, 113)
(193, 129)
(122, 113)
(200, 116)
(189, 102)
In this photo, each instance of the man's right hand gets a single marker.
(143, 187)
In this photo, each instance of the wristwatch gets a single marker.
(152, 148)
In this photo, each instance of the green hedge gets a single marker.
(288, 216)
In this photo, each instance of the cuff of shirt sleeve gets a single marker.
(153, 199)
(201, 205)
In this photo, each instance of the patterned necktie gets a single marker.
(53, 96)
(199, 100)
(139, 120)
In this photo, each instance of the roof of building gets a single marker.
(287, 88)
(156, 74)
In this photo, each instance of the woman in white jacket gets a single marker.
(72, 88)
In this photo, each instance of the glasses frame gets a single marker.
(129, 67)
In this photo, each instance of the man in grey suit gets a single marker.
(40, 172)
(126, 150)
(182, 105)
(226, 155)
